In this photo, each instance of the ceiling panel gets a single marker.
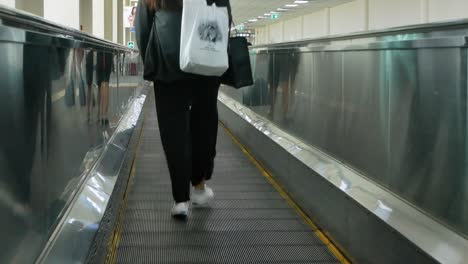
(243, 10)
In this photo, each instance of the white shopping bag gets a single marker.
(204, 38)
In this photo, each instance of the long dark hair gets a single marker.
(164, 4)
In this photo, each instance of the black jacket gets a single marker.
(166, 45)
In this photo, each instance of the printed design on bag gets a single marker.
(209, 32)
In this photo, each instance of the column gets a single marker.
(9, 3)
(108, 20)
(35, 7)
(98, 18)
(120, 28)
(66, 13)
(86, 16)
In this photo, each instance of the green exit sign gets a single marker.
(131, 44)
(274, 16)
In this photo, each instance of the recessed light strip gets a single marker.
(278, 10)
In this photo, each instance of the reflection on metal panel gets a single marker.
(396, 113)
(428, 139)
(325, 116)
(359, 214)
(365, 110)
(75, 236)
(60, 103)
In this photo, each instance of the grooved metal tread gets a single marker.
(249, 221)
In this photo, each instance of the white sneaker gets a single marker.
(180, 210)
(202, 197)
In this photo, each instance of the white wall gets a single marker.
(63, 12)
(316, 24)
(349, 17)
(276, 32)
(362, 15)
(385, 14)
(261, 35)
(294, 31)
(440, 10)
(9, 3)
(72, 13)
(98, 18)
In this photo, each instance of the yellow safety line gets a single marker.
(113, 246)
(322, 236)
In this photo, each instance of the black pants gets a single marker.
(188, 124)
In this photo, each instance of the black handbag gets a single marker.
(163, 49)
(239, 73)
(150, 71)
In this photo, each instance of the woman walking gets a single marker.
(186, 104)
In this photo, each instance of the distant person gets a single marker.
(104, 63)
(186, 105)
(282, 77)
(89, 66)
(78, 64)
(131, 18)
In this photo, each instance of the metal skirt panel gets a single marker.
(367, 221)
(61, 102)
(397, 116)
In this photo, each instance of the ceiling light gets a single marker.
(253, 20)
(282, 9)
(291, 5)
(301, 2)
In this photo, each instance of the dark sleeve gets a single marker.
(143, 23)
